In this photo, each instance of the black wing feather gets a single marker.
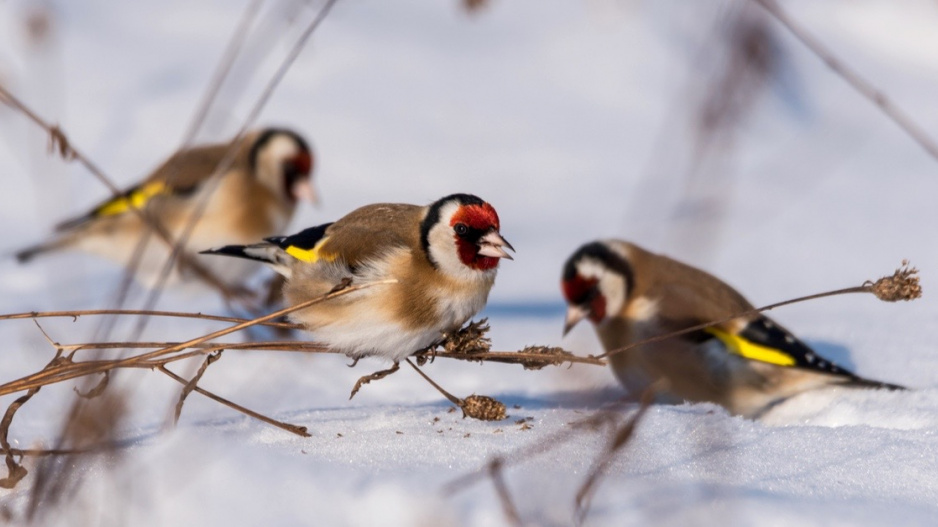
(305, 239)
(765, 332)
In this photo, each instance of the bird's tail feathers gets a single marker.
(860, 382)
(72, 223)
(267, 253)
(27, 254)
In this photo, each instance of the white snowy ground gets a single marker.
(567, 116)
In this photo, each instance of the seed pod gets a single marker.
(902, 285)
(483, 408)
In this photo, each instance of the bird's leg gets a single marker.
(427, 354)
(378, 375)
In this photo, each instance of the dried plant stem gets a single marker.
(40, 452)
(68, 151)
(193, 382)
(58, 140)
(854, 79)
(15, 471)
(520, 357)
(222, 70)
(294, 429)
(619, 440)
(542, 446)
(504, 497)
(177, 314)
(229, 156)
(376, 376)
(63, 372)
(450, 397)
(704, 325)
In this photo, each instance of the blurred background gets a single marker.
(703, 130)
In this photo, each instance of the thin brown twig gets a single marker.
(622, 436)
(480, 407)
(67, 149)
(450, 397)
(15, 471)
(193, 383)
(178, 314)
(853, 78)
(504, 496)
(298, 430)
(704, 325)
(58, 139)
(229, 157)
(70, 371)
(232, 50)
(542, 446)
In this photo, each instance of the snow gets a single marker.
(570, 118)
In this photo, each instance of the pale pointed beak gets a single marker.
(491, 245)
(303, 189)
(574, 315)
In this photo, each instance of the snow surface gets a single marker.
(570, 118)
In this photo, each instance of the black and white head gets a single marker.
(282, 160)
(595, 283)
(460, 236)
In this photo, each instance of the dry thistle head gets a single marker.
(470, 339)
(902, 285)
(552, 356)
(483, 408)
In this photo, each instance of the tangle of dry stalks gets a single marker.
(469, 344)
(63, 368)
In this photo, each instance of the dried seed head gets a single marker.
(902, 285)
(470, 339)
(483, 408)
(552, 355)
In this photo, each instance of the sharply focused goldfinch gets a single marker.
(444, 257)
(254, 198)
(746, 365)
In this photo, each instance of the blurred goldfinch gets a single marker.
(746, 365)
(444, 257)
(254, 198)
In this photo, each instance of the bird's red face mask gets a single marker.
(478, 242)
(297, 178)
(584, 301)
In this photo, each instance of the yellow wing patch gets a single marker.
(751, 350)
(310, 255)
(136, 198)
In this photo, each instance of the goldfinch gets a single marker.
(254, 198)
(443, 256)
(746, 365)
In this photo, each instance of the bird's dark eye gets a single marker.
(461, 229)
